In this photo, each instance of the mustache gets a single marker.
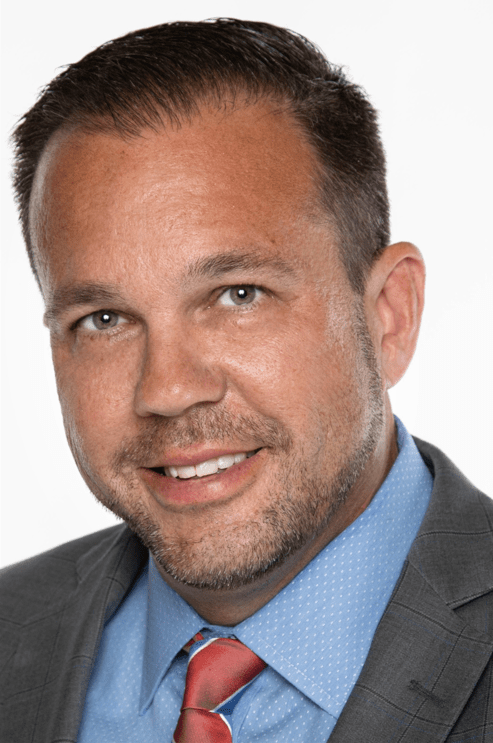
(201, 425)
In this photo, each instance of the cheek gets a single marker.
(288, 373)
(96, 397)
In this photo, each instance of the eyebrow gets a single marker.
(78, 295)
(215, 266)
(218, 265)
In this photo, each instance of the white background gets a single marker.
(427, 66)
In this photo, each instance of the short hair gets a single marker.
(162, 74)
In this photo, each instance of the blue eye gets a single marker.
(236, 296)
(101, 320)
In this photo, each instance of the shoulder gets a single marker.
(42, 581)
(455, 500)
(453, 550)
(53, 608)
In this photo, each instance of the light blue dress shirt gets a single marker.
(314, 635)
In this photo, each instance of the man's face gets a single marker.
(199, 313)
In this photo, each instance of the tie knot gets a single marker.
(218, 669)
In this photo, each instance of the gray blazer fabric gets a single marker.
(428, 676)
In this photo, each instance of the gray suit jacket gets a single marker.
(428, 676)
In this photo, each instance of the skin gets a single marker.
(187, 372)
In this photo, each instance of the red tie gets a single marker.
(216, 672)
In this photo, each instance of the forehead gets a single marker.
(246, 175)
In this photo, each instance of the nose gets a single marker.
(175, 375)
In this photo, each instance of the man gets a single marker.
(205, 211)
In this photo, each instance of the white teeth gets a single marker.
(185, 472)
(210, 467)
(226, 461)
(206, 468)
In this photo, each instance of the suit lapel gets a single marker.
(425, 660)
(423, 665)
(104, 577)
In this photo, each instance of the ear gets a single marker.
(394, 299)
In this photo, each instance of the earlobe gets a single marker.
(395, 299)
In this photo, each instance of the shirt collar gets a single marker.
(317, 631)
(171, 622)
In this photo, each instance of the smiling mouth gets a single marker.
(204, 469)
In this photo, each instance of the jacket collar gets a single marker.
(429, 649)
(105, 574)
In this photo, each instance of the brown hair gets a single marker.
(161, 74)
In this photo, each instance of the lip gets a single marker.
(223, 485)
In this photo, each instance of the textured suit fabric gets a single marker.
(428, 676)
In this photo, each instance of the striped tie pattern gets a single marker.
(217, 671)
